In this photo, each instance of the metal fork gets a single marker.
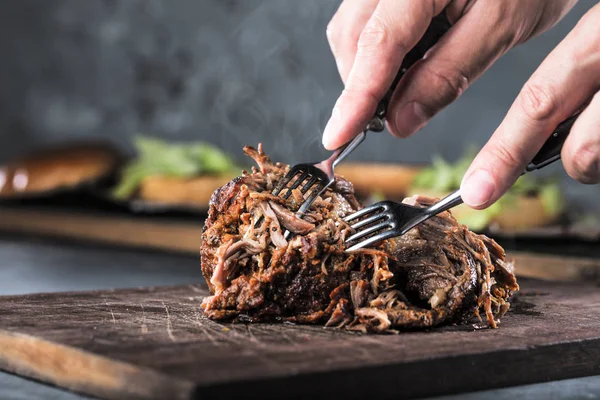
(316, 176)
(388, 219)
(320, 176)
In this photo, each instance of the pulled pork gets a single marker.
(439, 272)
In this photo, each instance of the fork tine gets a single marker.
(282, 183)
(308, 201)
(309, 184)
(291, 174)
(369, 220)
(278, 187)
(313, 194)
(368, 231)
(301, 179)
(306, 204)
(373, 239)
(367, 210)
(287, 194)
(295, 183)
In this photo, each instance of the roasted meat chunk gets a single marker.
(439, 272)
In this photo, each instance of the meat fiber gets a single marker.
(439, 272)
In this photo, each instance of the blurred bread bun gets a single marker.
(193, 192)
(58, 167)
(390, 180)
(527, 213)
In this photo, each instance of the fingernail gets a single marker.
(478, 188)
(410, 118)
(331, 128)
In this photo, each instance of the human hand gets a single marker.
(567, 80)
(370, 38)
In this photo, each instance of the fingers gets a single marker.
(566, 79)
(468, 49)
(344, 30)
(393, 29)
(475, 42)
(581, 151)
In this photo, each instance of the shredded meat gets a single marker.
(439, 272)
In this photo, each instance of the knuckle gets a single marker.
(589, 22)
(539, 101)
(448, 82)
(354, 94)
(332, 30)
(437, 6)
(506, 24)
(374, 36)
(587, 33)
(585, 165)
(503, 19)
(509, 157)
(342, 39)
(332, 34)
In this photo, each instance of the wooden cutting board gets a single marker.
(155, 343)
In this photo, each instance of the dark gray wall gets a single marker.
(229, 71)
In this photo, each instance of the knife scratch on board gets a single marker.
(210, 337)
(169, 324)
(196, 289)
(111, 312)
(253, 338)
(144, 326)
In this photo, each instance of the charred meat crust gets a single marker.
(439, 272)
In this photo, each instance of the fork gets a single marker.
(388, 219)
(320, 176)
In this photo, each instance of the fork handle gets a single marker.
(437, 28)
(345, 150)
(448, 202)
(551, 149)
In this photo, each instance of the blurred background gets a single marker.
(229, 73)
(225, 71)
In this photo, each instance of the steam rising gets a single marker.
(269, 89)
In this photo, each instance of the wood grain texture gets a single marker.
(84, 372)
(144, 343)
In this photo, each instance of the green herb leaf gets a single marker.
(552, 199)
(181, 160)
(443, 177)
(376, 197)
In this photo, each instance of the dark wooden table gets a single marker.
(34, 266)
